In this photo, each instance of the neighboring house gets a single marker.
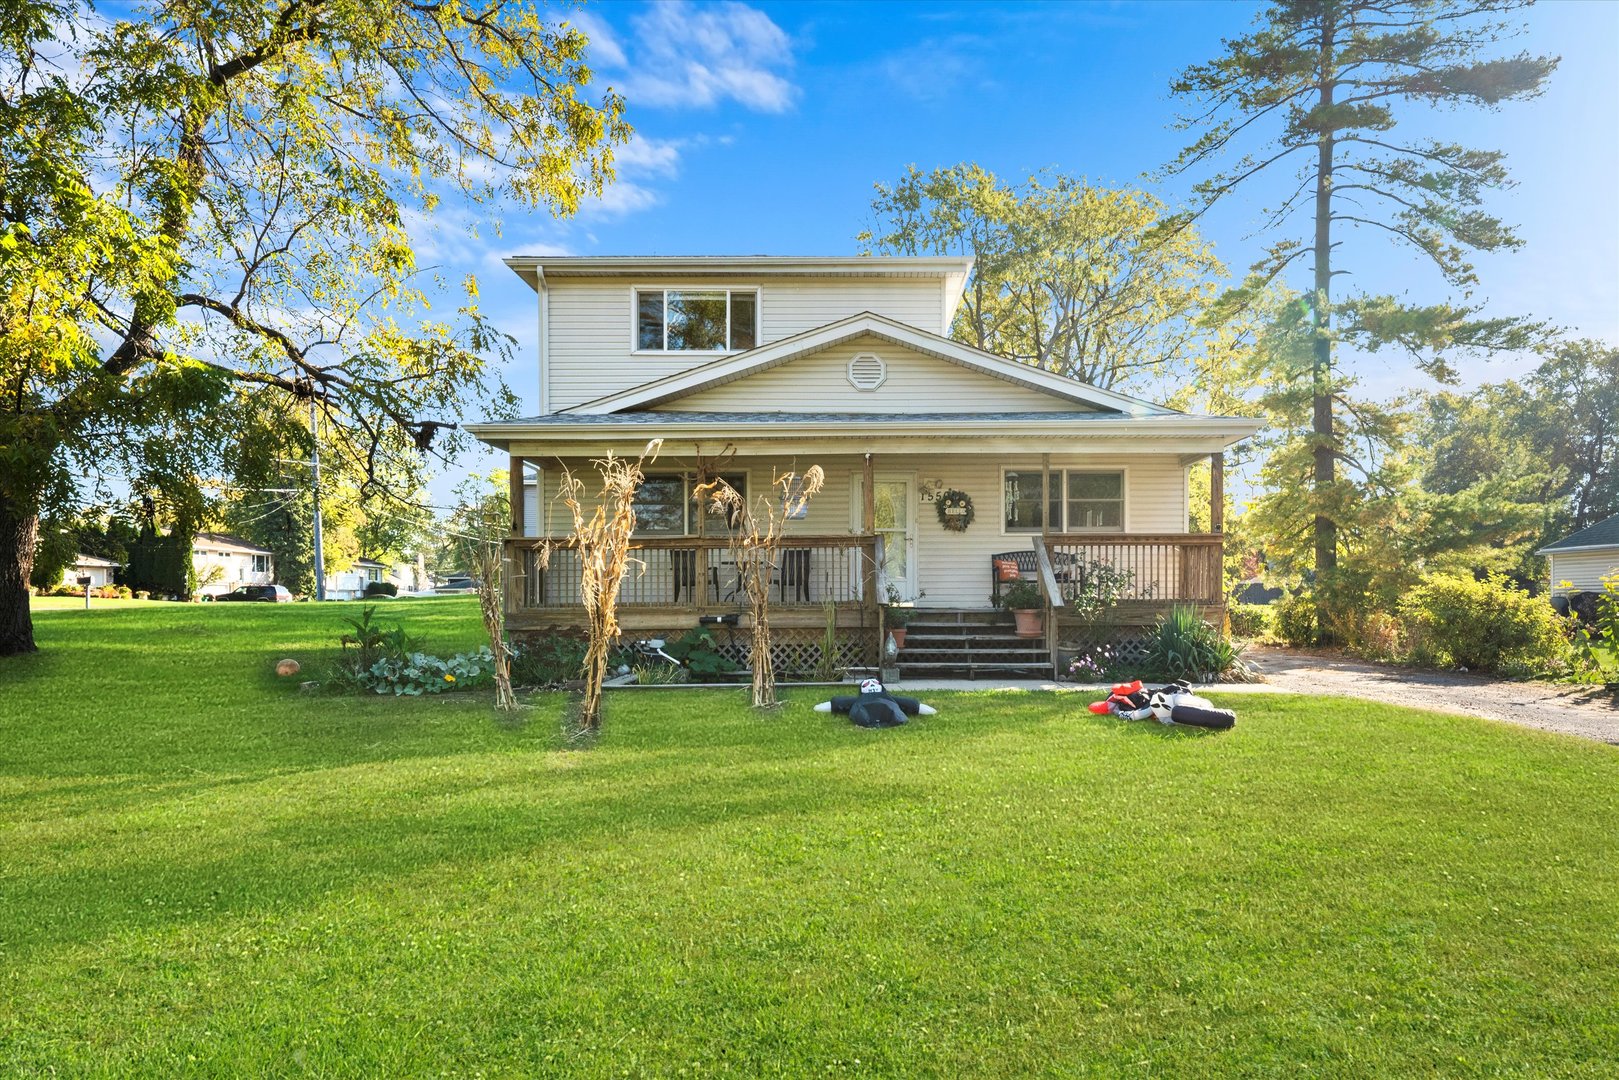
(223, 562)
(1584, 559)
(100, 571)
(756, 366)
(350, 584)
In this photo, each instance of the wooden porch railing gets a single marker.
(1172, 568)
(699, 573)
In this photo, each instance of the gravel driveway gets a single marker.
(1590, 713)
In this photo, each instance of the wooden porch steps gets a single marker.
(968, 644)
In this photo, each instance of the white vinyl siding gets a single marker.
(913, 383)
(1583, 570)
(588, 348)
(952, 568)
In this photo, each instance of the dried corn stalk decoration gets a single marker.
(755, 541)
(489, 561)
(603, 542)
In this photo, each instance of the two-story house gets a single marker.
(948, 469)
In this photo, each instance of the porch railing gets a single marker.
(1177, 567)
(699, 573)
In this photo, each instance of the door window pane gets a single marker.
(696, 321)
(892, 504)
(660, 505)
(744, 320)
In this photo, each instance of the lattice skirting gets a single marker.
(796, 650)
(1129, 645)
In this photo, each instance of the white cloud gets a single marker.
(641, 155)
(604, 51)
(690, 56)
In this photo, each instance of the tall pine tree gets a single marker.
(1320, 88)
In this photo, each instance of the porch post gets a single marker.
(1217, 491)
(515, 490)
(1045, 493)
(868, 552)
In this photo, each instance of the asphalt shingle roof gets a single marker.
(1602, 534)
(856, 419)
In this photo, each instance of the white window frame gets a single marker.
(688, 482)
(728, 290)
(1060, 473)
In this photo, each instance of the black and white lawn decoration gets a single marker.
(1171, 704)
(875, 707)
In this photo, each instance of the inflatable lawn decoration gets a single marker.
(1172, 704)
(875, 707)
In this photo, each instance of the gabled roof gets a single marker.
(729, 368)
(539, 267)
(93, 560)
(1603, 534)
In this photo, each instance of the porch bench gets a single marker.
(1062, 568)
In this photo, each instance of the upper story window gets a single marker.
(696, 320)
(261, 564)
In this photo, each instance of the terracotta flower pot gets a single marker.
(1030, 623)
(898, 634)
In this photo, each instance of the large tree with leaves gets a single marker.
(1071, 277)
(205, 209)
(1316, 93)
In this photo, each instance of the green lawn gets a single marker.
(204, 872)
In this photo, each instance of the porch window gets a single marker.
(717, 520)
(1079, 500)
(666, 504)
(660, 505)
(696, 320)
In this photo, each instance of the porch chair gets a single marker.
(795, 571)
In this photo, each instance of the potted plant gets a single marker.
(896, 616)
(1022, 598)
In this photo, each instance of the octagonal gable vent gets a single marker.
(867, 372)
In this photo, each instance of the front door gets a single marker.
(895, 499)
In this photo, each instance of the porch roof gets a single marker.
(1157, 433)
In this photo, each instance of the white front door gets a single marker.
(895, 502)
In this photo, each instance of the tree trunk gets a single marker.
(1326, 529)
(19, 532)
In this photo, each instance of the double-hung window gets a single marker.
(696, 320)
(1080, 500)
(666, 504)
(261, 564)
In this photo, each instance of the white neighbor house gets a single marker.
(350, 584)
(94, 567)
(223, 562)
(1585, 558)
(766, 365)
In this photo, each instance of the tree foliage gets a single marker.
(1320, 87)
(205, 216)
(1069, 277)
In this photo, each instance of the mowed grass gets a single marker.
(204, 872)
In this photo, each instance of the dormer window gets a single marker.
(696, 320)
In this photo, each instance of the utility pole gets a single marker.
(314, 468)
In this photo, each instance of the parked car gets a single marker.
(265, 594)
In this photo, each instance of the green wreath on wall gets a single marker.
(955, 510)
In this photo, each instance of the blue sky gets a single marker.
(761, 130)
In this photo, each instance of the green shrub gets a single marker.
(1295, 620)
(699, 654)
(1378, 636)
(1488, 625)
(1023, 595)
(124, 593)
(415, 674)
(548, 661)
(1596, 638)
(1249, 620)
(381, 588)
(1183, 646)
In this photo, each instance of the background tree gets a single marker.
(219, 193)
(1320, 84)
(1075, 279)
